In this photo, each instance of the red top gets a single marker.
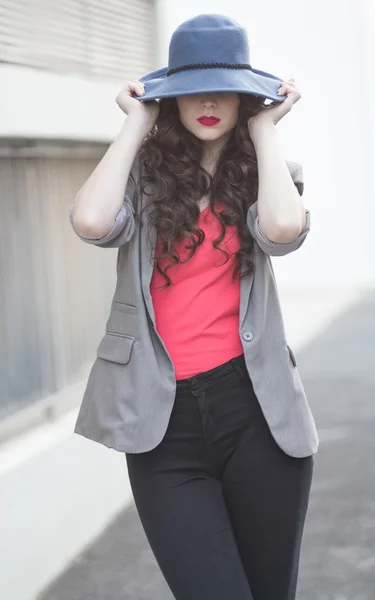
(197, 317)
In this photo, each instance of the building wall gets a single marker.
(88, 38)
(62, 64)
(61, 67)
(47, 326)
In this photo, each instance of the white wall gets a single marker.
(321, 44)
(368, 99)
(42, 104)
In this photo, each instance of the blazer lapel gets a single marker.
(147, 243)
(245, 289)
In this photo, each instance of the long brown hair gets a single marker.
(171, 156)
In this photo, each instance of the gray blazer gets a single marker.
(131, 386)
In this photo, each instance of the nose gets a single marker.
(208, 100)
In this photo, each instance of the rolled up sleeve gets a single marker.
(124, 225)
(279, 248)
(118, 228)
(268, 246)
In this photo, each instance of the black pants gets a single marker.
(222, 506)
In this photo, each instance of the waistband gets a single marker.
(204, 379)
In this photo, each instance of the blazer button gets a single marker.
(248, 336)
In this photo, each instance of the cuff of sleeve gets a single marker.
(116, 229)
(278, 248)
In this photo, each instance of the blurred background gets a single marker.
(68, 527)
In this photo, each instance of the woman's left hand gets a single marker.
(275, 112)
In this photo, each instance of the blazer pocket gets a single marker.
(126, 308)
(115, 348)
(292, 357)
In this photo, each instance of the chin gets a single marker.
(208, 134)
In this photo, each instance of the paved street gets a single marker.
(338, 554)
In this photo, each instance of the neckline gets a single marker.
(204, 210)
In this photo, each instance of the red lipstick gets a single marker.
(208, 121)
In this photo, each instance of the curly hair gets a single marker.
(171, 156)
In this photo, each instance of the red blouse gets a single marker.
(197, 317)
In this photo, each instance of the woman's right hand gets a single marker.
(146, 111)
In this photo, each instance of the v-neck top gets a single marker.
(197, 317)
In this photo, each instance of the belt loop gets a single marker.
(194, 385)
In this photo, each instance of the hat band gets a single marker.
(208, 66)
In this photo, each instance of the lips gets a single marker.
(208, 121)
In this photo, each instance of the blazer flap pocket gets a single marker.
(116, 348)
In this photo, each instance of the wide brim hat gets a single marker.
(209, 53)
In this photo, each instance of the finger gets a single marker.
(139, 90)
(287, 89)
(283, 90)
(137, 87)
(291, 82)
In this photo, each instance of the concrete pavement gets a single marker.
(338, 554)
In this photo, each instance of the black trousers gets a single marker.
(222, 506)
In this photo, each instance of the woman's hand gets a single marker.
(274, 112)
(147, 112)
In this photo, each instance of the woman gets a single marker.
(194, 380)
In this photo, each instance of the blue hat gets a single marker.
(209, 53)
